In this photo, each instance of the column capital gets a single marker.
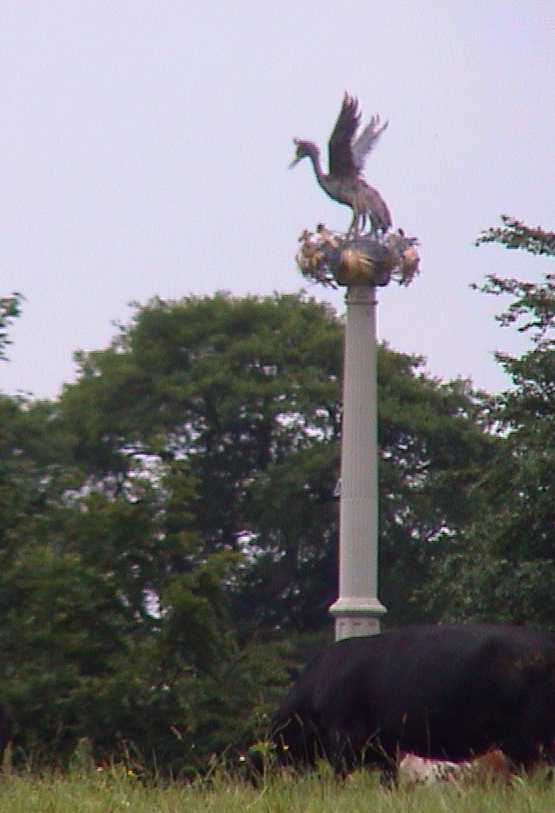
(360, 295)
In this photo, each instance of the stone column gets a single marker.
(358, 610)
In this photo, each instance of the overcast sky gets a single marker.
(144, 150)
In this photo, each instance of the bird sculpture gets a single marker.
(344, 183)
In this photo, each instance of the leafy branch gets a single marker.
(10, 308)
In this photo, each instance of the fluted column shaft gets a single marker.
(357, 610)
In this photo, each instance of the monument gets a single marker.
(368, 256)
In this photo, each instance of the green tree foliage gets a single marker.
(227, 390)
(243, 397)
(502, 566)
(432, 445)
(113, 623)
(171, 518)
(10, 308)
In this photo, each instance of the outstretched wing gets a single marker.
(366, 141)
(341, 162)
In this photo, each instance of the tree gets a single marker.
(10, 308)
(115, 622)
(170, 528)
(433, 444)
(502, 566)
(244, 395)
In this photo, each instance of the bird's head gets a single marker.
(304, 149)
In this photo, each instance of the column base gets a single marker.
(355, 617)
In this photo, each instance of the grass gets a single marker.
(115, 790)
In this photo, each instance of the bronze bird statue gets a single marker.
(347, 152)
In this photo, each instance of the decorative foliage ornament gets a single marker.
(333, 259)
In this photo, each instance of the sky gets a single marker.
(144, 149)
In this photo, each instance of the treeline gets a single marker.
(168, 527)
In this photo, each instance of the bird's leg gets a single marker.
(363, 222)
(353, 228)
(372, 227)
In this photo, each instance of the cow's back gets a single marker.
(445, 692)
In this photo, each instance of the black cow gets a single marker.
(445, 692)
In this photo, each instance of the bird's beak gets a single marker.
(294, 163)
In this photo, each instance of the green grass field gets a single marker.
(116, 789)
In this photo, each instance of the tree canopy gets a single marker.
(502, 565)
(10, 308)
(168, 526)
(241, 399)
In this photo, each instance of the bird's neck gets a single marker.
(314, 156)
